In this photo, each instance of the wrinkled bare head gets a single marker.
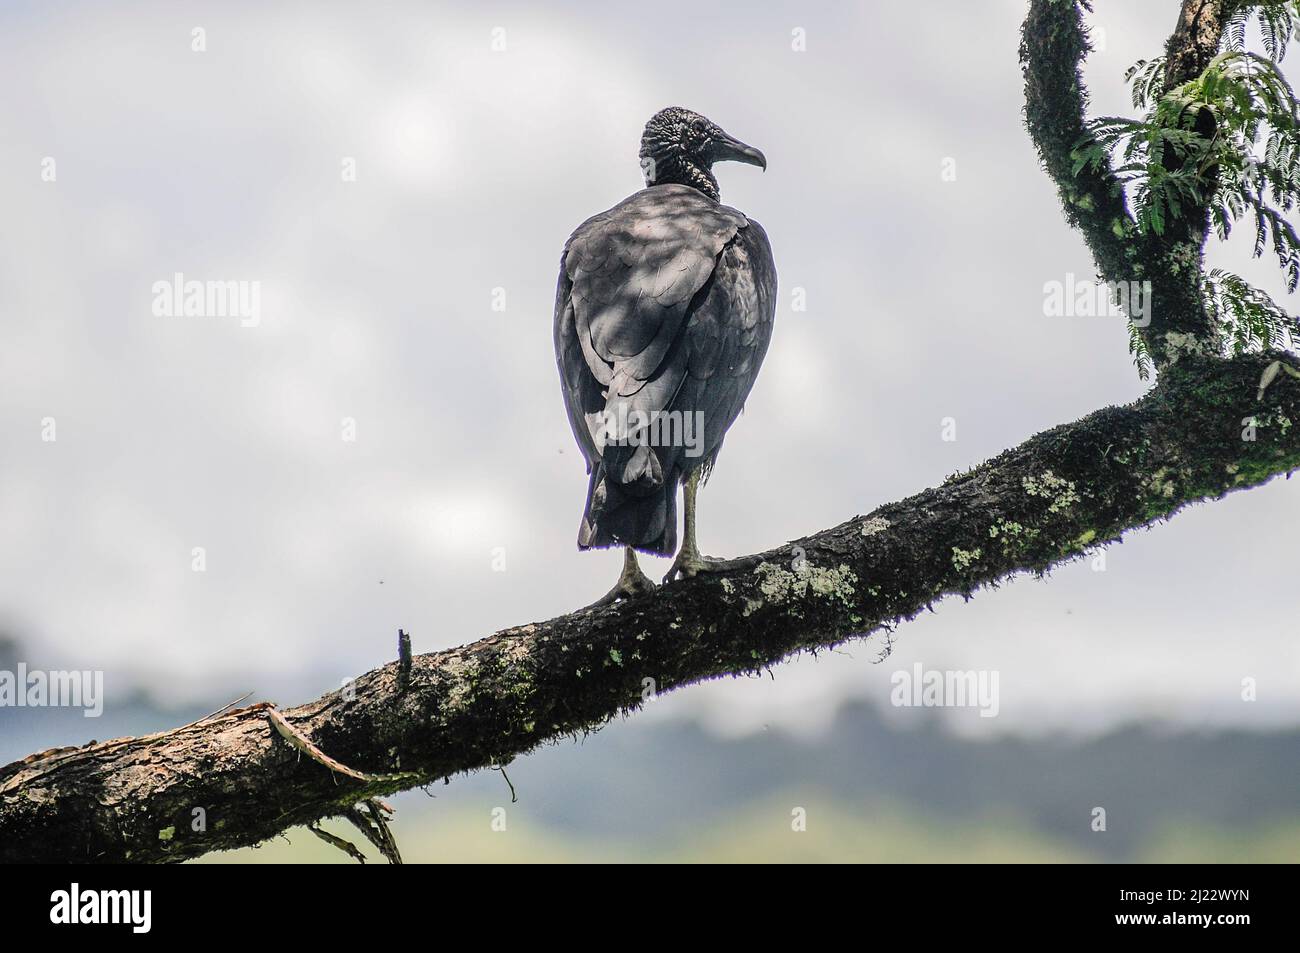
(680, 146)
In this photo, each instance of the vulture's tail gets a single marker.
(630, 503)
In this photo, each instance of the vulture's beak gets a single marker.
(727, 149)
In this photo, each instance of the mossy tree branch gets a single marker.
(1039, 504)
(1053, 44)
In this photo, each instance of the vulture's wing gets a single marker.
(727, 334)
(664, 303)
(626, 284)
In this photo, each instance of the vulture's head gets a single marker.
(681, 146)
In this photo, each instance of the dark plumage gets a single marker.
(664, 307)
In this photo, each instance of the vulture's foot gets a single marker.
(690, 563)
(632, 582)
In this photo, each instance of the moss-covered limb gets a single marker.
(1053, 44)
(1202, 432)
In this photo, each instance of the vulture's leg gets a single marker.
(689, 562)
(631, 582)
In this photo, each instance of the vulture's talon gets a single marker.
(632, 582)
(689, 564)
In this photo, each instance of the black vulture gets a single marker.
(662, 316)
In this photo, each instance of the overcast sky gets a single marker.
(473, 164)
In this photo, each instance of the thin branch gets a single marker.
(301, 742)
(1053, 45)
(369, 818)
(342, 844)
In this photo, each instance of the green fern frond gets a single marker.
(1243, 165)
(1137, 346)
(1171, 161)
(1246, 318)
